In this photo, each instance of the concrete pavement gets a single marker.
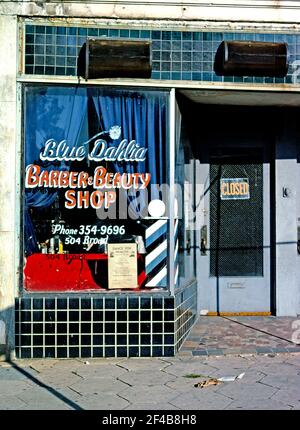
(271, 381)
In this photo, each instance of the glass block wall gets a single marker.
(177, 55)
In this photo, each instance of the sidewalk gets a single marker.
(271, 380)
(242, 335)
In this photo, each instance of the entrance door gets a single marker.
(234, 262)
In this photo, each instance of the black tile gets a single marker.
(74, 303)
(133, 303)
(133, 327)
(86, 352)
(169, 303)
(122, 303)
(157, 302)
(98, 315)
(74, 339)
(25, 352)
(37, 353)
(157, 315)
(37, 304)
(17, 305)
(49, 328)
(26, 316)
(98, 303)
(62, 328)
(50, 316)
(49, 303)
(86, 303)
(73, 352)
(25, 304)
(25, 340)
(98, 352)
(37, 340)
(62, 316)
(109, 340)
(145, 327)
(145, 339)
(157, 327)
(86, 328)
(110, 316)
(50, 352)
(133, 315)
(49, 340)
(121, 328)
(74, 328)
(109, 352)
(86, 315)
(157, 339)
(122, 315)
(145, 316)
(17, 342)
(18, 353)
(37, 316)
(169, 327)
(121, 352)
(157, 351)
(86, 339)
(109, 303)
(145, 303)
(62, 340)
(73, 315)
(133, 351)
(169, 315)
(62, 303)
(169, 351)
(145, 351)
(121, 340)
(133, 339)
(62, 353)
(97, 340)
(98, 328)
(37, 328)
(25, 328)
(110, 328)
(169, 339)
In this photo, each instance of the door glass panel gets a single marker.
(236, 215)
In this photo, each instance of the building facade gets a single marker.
(131, 205)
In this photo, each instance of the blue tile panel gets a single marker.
(52, 50)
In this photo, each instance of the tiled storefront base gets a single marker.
(101, 326)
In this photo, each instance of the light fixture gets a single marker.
(115, 58)
(251, 58)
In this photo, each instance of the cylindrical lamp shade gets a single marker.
(248, 58)
(105, 58)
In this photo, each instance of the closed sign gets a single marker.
(234, 189)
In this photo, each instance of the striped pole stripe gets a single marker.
(155, 257)
(160, 279)
(155, 231)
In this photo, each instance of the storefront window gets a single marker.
(94, 159)
(186, 212)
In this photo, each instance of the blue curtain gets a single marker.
(50, 113)
(142, 117)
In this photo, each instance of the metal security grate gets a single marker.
(236, 225)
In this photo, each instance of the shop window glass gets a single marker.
(94, 158)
